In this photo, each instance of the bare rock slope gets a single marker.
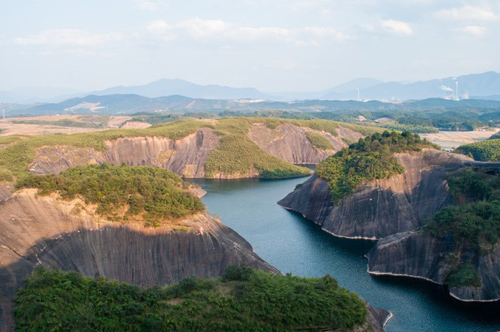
(63, 235)
(290, 143)
(383, 207)
(416, 254)
(187, 156)
(392, 210)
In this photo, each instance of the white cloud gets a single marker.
(68, 37)
(327, 32)
(159, 27)
(218, 30)
(397, 27)
(475, 30)
(468, 12)
(150, 5)
(206, 29)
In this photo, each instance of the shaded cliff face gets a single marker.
(58, 234)
(420, 255)
(185, 156)
(382, 207)
(290, 143)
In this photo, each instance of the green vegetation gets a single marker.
(476, 224)
(406, 127)
(242, 300)
(476, 221)
(155, 118)
(122, 192)
(467, 185)
(463, 275)
(9, 139)
(370, 159)
(319, 141)
(18, 156)
(405, 117)
(495, 135)
(451, 120)
(237, 154)
(5, 175)
(488, 150)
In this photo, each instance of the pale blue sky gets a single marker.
(280, 45)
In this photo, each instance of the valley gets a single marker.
(388, 198)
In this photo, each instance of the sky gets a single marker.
(273, 45)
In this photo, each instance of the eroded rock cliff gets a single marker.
(67, 236)
(421, 255)
(382, 207)
(290, 143)
(185, 156)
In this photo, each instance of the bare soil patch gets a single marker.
(12, 128)
(453, 139)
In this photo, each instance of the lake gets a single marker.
(293, 244)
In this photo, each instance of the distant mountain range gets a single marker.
(478, 86)
(474, 85)
(168, 87)
(130, 103)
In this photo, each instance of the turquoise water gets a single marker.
(293, 244)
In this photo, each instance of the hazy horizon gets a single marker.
(305, 45)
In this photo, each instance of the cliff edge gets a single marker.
(420, 255)
(382, 207)
(67, 236)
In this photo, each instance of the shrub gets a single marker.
(369, 159)
(52, 300)
(155, 193)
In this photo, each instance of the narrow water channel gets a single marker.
(293, 244)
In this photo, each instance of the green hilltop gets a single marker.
(237, 153)
(369, 159)
(241, 300)
(122, 193)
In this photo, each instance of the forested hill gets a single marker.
(367, 160)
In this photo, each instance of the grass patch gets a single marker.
(464, 275)
(242, 300)
(9, 139)
(237, 154)
(5, 175)
(155, 194)
(319, 141)
(370, 159)
(18, 156)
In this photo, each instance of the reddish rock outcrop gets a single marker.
(383, 207)
(185, 156)
(420, 255)
(290, 143)
(67, 236)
